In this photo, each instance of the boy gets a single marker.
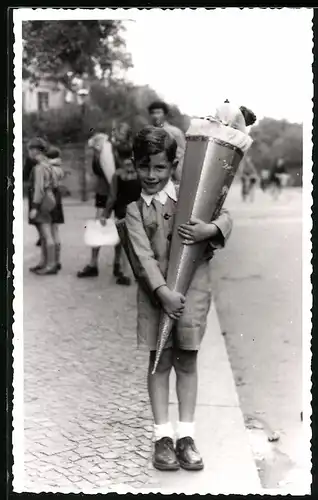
(148, 226)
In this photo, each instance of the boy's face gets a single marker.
(157, 117)
(154, 172)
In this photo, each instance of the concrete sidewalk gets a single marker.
(221, 436)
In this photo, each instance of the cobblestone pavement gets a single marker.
(87, 419)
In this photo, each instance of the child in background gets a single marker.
(103, 166)
(27, 178)
(54, 157)
(125, 188)
(42, 205)
(149, 225)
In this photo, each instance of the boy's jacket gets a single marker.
(146, 234)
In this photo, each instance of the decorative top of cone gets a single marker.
(227, 124)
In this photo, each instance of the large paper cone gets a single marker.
(209, 167)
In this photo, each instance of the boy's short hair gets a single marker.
(158, 105)
(53, 153)
(38, 143)
(153, 140)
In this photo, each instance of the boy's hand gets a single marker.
(196, 230)
(172, 302)
(103, 218)
(33, 213)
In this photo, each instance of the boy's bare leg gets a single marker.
(94, 257)
(38, 243)
(164, 457)
(185, 365)
(91, 271)
(158, 386)
(43, 257)
(47, 238)
(123, 270)
(57, 243)
(117, 260)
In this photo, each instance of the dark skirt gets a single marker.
(56, 216)
(57, 213)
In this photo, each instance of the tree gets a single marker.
(274, 139)
(69, 49)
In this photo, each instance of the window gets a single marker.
(43, 101)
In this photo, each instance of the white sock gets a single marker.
(163, 430)
(185, 429)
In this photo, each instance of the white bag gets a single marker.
(97, 235)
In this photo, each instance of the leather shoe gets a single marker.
(88, 272)
(164, 457)
(187, 454)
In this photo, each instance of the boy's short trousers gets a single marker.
(190, 328)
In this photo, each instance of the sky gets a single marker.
(259, 58)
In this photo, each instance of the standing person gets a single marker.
(149, 223)
(27, 170)
(42, 205)
(249, 179)
(54, 157)
(103, 166)
(125, 188)
(277, 171)
(159, 111)
(264, 179)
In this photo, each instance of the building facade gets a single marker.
(44, 95)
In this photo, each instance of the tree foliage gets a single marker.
(69, 49)
(108, 105)
(274, 139)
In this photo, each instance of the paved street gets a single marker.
(85, 394)
(259, 297)
(87, 418)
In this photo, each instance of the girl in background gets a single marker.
(27, 178)
(54, 157)
(43, 183)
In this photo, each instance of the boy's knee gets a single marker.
(165, 361)
(185, 361)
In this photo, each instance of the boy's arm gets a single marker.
(112, 197)
(224, 224)
(140, 245)
(38, 192)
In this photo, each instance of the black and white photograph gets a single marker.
(162, 250)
